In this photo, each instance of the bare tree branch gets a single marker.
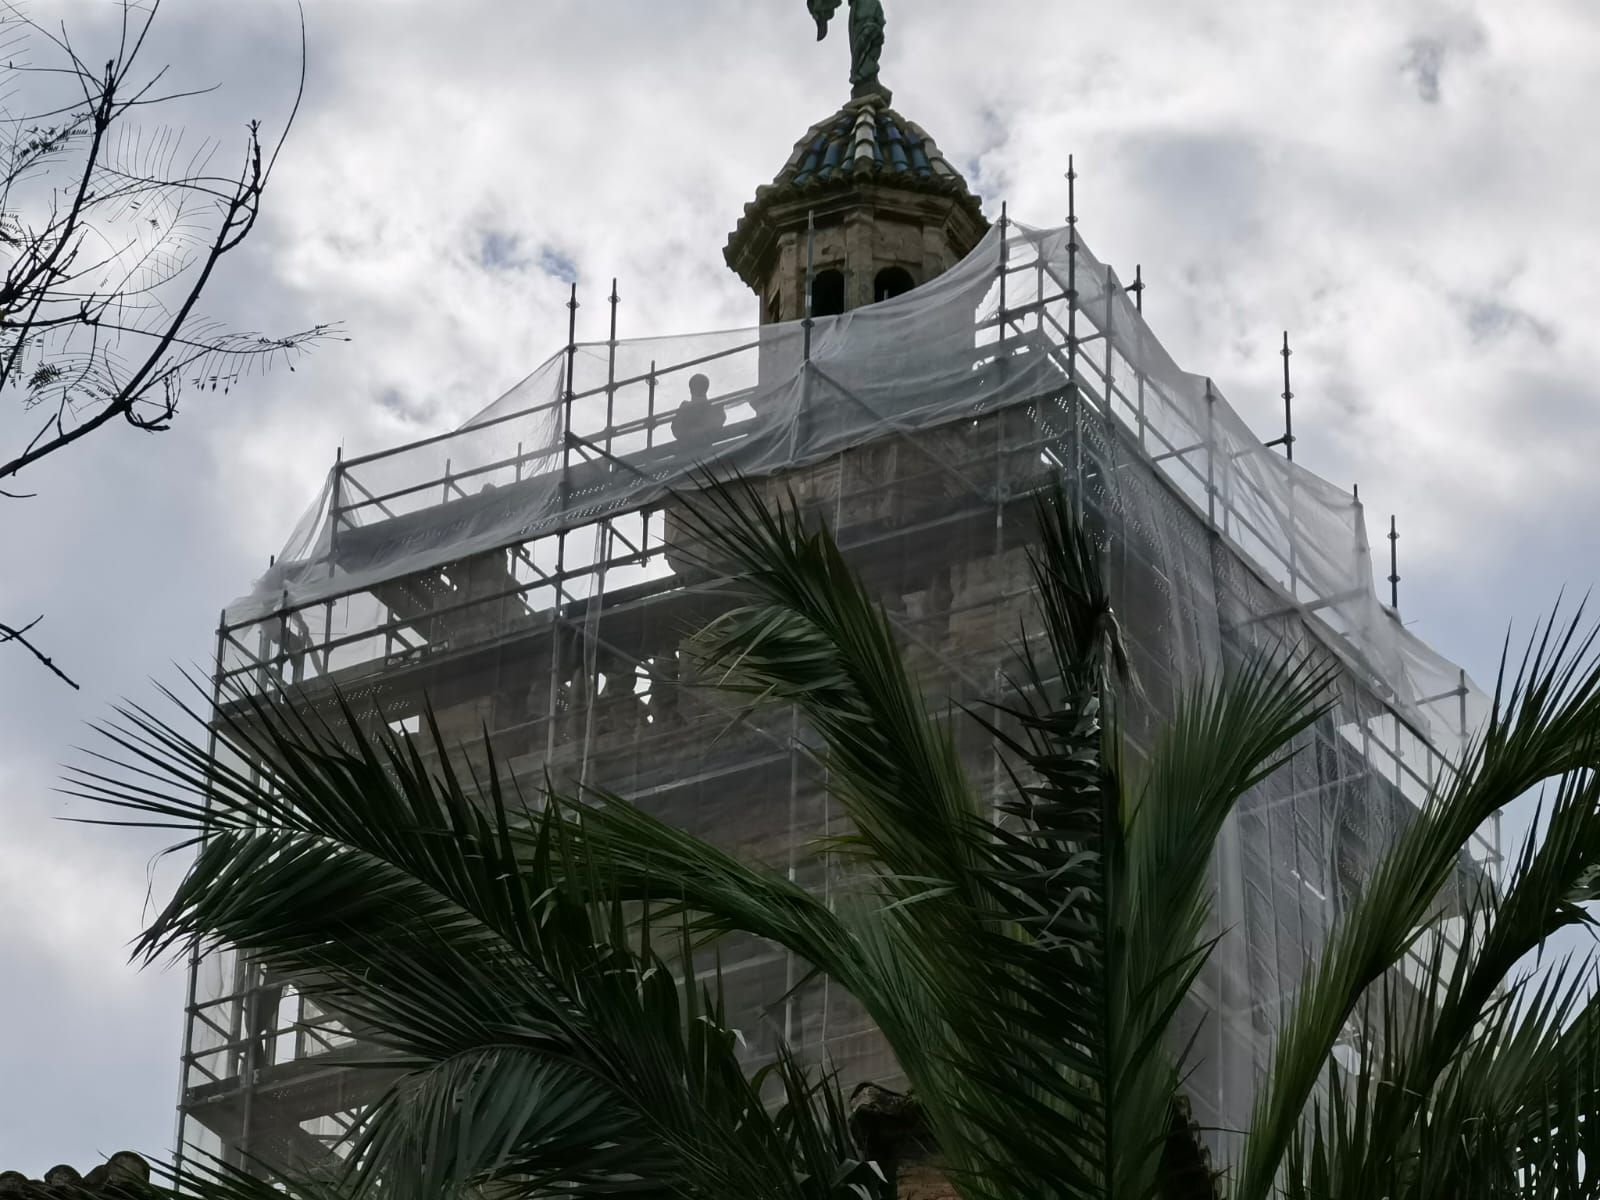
(8, 634)
(110, 235)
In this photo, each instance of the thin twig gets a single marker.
(9, 634)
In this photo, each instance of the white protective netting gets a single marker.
(535, 460)
(519, 573)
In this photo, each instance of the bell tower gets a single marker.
(866, 208)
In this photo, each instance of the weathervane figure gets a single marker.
(866, 41)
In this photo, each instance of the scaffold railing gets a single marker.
(530, 563)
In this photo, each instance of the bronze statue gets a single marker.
(866, 41)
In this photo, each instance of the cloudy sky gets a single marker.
(1407, 186)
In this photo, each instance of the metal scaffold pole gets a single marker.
(1394, 565)
(650, 406)
(998, 491)
(1211, 453)
(811, 277)
(1288, 402)
(1287, 442)
(1072, 338)
(1114, 496)
(611, 368)
(558, 622)
(1005, 261)
(1138, 303)
(191, 1002)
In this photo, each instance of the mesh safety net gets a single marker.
(528, 574)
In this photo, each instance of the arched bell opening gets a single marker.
(891, 282)
(827, 294)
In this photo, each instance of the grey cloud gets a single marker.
(1424, 64)
(1490, 319)
(405, 406)
(1426, 55)
(557, 265)
(501, 251)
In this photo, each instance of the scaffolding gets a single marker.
(531, 574)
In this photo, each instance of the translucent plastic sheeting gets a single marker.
(602, 428)
(522, 577)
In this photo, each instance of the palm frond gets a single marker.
(1048, 984)
(545, 1044)
(1446, 1097)
(1543, 726)
(812, 635)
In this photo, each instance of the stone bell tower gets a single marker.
(868, 194)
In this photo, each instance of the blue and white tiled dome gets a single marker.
(865, 142)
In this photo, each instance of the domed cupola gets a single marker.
(870, 197)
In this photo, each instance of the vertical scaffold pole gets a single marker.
(1363, 551)
(557, 622)
(650, 406)
(1288, 402)
(1108, 381)
(1139, 369)
(1005, 262)
(335, 509)
(1114, 468)
(789, 981)
(611, 368)
(1288, 450)
(997, 414)
(1106, 333)
(569, 389)
(568, 398)
(997, 492)
(191, 1008)
(1039, 291)
(335, 504)
(1072, 337)
(1394, 565)
(811, 277)
(282, 657)
(1211, 453)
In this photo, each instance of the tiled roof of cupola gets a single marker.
(866, 141)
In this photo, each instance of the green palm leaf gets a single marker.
(544, 1043)
(1029, 984)
(1542, 727)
